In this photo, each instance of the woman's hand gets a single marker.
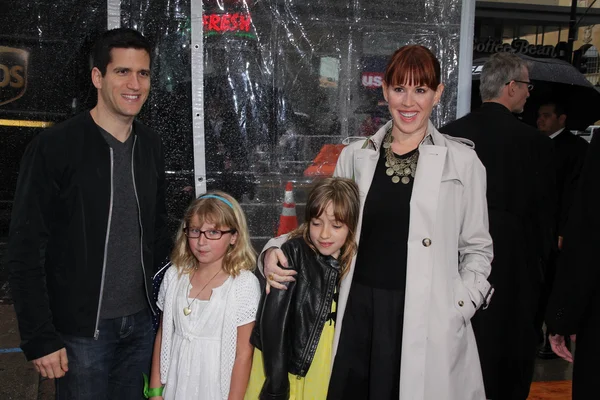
(274, 274)
(156, 398)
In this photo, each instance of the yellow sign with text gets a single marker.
(13, 73)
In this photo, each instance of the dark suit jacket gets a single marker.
(569, 153)
(574, 305)
(521, 197)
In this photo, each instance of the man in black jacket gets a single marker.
(569, 154)
(574, 305)
(521, 200)
(88, 225)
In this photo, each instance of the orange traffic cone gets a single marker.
(288, 221)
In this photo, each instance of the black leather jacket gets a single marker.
(290, 322)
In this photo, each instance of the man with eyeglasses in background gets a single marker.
(521, 203)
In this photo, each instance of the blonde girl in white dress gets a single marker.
(209, 298)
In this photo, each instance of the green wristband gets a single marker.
(151, 392)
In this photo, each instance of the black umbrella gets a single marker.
(557, 80)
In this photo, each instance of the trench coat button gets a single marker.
(426, 242)
(461, 303)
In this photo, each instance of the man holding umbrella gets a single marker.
(521, 202)
(569, 152)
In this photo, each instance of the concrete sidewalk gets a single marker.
(19, 379)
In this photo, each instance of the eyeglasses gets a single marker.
(211, 234)
(529, 84)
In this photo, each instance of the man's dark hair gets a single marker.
(120, 38)
(559, 108)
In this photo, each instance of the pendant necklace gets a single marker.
(188, 310)
(400, 169)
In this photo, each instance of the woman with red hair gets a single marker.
(403, 318)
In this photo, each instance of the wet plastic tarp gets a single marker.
(286, 81)
(245, 94)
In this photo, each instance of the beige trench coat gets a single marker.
(449, 257)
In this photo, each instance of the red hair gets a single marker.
(413, 65)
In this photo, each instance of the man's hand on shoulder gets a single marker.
(53, 365)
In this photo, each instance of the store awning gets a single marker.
(529, 13)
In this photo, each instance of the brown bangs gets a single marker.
(344, 197)
(341, 208)
(413, 65)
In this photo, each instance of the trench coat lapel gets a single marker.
(423, 213)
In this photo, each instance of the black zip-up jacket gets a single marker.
(59, 227)
(290, 322)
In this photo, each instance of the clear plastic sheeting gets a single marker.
(286, 81)
(283, 83)
(168, 110)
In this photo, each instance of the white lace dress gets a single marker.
(196, 344)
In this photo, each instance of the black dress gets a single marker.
(367, 363)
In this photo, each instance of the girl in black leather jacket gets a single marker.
(294, 327)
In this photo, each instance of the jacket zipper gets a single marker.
(321, 322)
(137, 200)
(110, 209)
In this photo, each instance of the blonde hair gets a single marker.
(215, 210)
(342, 193)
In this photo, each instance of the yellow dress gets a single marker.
(316, 382)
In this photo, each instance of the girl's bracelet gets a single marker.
(151, 392)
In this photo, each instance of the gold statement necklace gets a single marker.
(400, 169)
(188, 310)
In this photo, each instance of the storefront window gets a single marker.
(508, 33)
(591, 56)
(552, 35)
(527, 32)
(44, 76)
